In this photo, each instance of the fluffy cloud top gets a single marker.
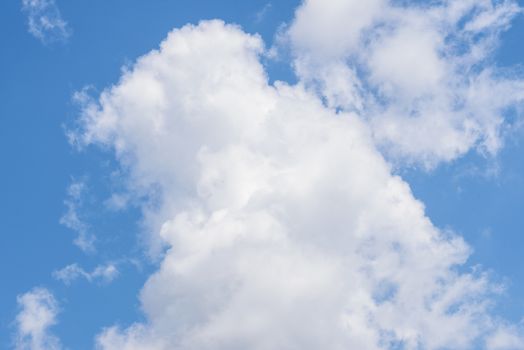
(285, 226)
(419, 72)
(44, 20)
(38, 311)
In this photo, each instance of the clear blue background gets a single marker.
(36, 86)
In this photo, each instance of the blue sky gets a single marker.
(478, 196)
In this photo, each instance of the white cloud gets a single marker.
(285, 226)
(506, 338)
(38, 311)
(70, 273)
(72, 219)
(44, 20)
(418, 72)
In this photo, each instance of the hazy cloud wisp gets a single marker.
(102, 273)
(72, 217)
(44, 20)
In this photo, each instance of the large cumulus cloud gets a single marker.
(284, 225)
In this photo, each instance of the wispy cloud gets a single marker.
(261, 14)
(103, 273)
(45, 21)
(38, 311)
(72, 219)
